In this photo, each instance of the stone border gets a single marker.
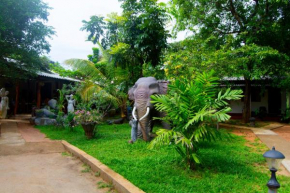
(121, 184)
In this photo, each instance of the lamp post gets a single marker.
(274, 159)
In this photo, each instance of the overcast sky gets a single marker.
(66, 17)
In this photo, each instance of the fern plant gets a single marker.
(192, 108)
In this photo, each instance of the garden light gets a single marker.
(252, 121)
(274, 159)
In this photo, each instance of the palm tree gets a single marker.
(101, 85)
(192, 107)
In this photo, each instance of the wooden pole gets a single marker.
(16, 99)
(38, 103)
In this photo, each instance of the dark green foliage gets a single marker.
(95, 26)
(226, 166)
(69, 121)
(95, 56)
(23, 36)
(57, 68)
(247, 39)
(135, 38)
(144, 29)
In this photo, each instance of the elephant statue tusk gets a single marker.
(147, 112)
(133, 113)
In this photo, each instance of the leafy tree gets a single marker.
(242, 38)
(45, 62)
(95, 57)
(144, 29)
(23, 36)
(192, 107)
(95, 26)
(57, 68)
(114, 30)
(135, 38)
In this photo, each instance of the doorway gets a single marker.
(274, 101)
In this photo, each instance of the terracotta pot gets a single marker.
(89, 129)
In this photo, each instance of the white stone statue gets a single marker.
(70, 103)
(4, 102)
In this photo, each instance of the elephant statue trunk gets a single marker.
(142, 111)
(143, 123)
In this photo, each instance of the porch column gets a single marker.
(39, 85)
(287, 99)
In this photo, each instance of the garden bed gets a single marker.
(258, 124)
(227, 166)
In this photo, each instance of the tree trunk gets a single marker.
(123, 108)
(287, 99)
(247, 101)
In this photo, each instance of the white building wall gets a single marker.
(237, 106)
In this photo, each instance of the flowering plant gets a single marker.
(84, 116)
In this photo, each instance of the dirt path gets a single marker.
(31, 163)
(284, 132)
(45, 173)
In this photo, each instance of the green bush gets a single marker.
(192, 108)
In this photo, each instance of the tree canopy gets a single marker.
(23, 36)
(247, 39)
(135, 38)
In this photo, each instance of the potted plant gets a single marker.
(89, 120)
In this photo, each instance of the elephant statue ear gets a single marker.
(131, 94)
(163, 86)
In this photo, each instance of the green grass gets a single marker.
(97, 174)
(66, 154)
(86, 168)
(102, 185)
(227, 166)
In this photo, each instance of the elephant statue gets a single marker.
(143, 109)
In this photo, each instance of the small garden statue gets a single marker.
(71, 103)
(4, 102)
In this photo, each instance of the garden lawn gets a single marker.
(227, 166)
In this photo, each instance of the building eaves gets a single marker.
(56, 76)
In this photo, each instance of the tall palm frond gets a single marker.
(87, 68)
(87, 90)
(95, 83)
(105, 55)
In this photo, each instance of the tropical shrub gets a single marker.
(192, 107)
